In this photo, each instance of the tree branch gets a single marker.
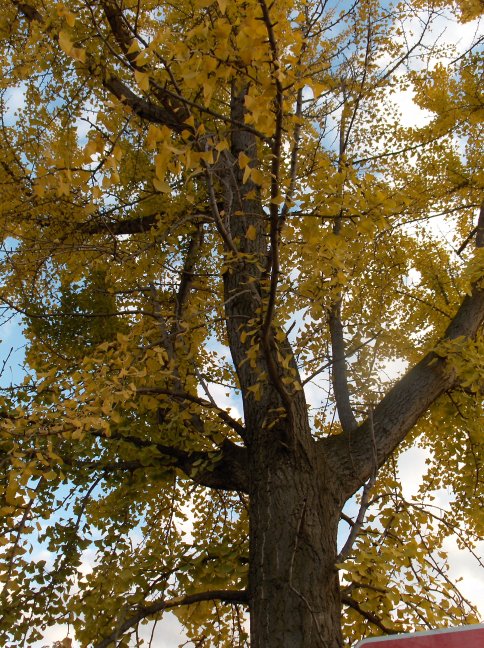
(339, 373)
(137, 225)
(143, 108)
(353, 454)
(125, 35)
(339, 370)
(221, 413)
(369, 616)
(225, 596)
(119, 28)
(356, 526)
(227, 470)
(173, 118)
(186, 282)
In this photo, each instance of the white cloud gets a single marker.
(168, 633)
(463, 565)
(412, 467)
(411, 115)
(14, 100)
(224, 397)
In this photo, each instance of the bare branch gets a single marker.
(360, 518)
(339, 372)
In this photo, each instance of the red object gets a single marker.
(463, 637)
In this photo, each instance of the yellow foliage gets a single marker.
(209, 209)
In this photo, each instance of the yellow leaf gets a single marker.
(257, 176)
(65, 42)
(143, 80)
(251, 233)
(317, 88)
(222, 4)
(243, 160)
(222, 146)
(278, 200)
(190, 121)
(134, 47)
(161, 185)
(91, 149)
(70, 18)
(39, 190)
(11, 491)
(63, 189)
(143, 57)
(79, 54)
(222, 29)
(153, 136)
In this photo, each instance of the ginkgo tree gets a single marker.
(226, 251)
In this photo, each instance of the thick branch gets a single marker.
(28, 11)
(356, 454)
(119, 28)
(143, 108)
(137, 225)
(172, 117)
(338, 347)
(339, 372)
(143, 612)
(123, 33)
(404, 404)
(230, 472)
(480, 228)
(226, 471)
(187, 273)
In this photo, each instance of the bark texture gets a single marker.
(294, 514)
(294, 598)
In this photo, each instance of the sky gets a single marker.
(169, 632)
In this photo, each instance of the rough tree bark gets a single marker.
(295, 508)
(295, 502)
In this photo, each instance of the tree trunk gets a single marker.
(294, 498)
(293, 582)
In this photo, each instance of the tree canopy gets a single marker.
(246, 285)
